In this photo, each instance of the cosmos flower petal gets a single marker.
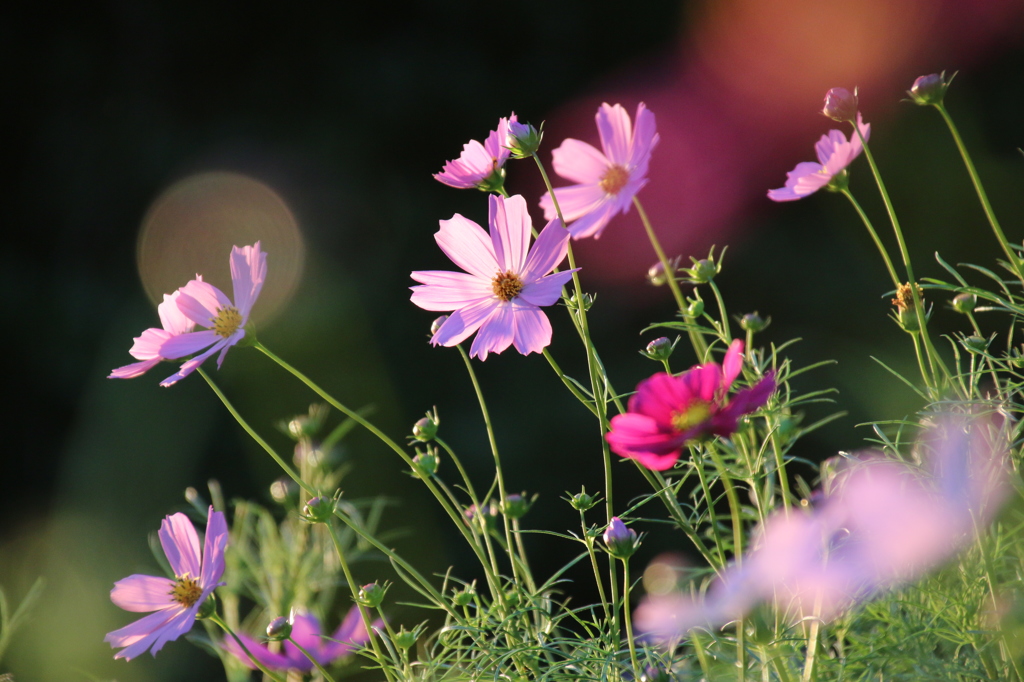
(461, 324)
(443, 290)
(593, 223)
(213, 548)
(174, 628)
(248, 272)
(306, 631)
(135, 369)
(143, 593)
(468, 246)
(496, 332)
(616, 132)
(148, 345)
(199, 301)
(140, 635)
(181, 545)
(580, 162)
(171, 318)
(270, 659)
(532, 329)
(575, 201)
(511, 226)
(548, 251)
(732, 364)
(187, 344)
(224, 347)
(645, 139)
(546, 290)
(190, 366)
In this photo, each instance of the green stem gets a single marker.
(721, 311)
(326, 675)
(252, 659)
(874, 237)
(737, 537)
(1015, 262)
(628, 618)
(573, 388)
(589, 542)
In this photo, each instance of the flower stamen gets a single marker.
(615, 178)
(694, 414)
(507, 285)
(186, 591)
(227, 322)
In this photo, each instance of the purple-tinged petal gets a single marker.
(190, 366)
(496, 144)
(147, 346)
(171, 318)
(732, 365)
(187, 344)
(806, 178)
(468, 246)
(248, 272)
(349, 635)
(260, 653)
(143, 593)
(616, 132)
(237, 336)
(645, 139)
(199, 301)
(579, 162)
(593, 224)
(443, 290)
(213, 548)
(547, 252)
(510, 227)
(828, 144)
(704, 381)
(136, 369)
(140, 635)
(638, 435)
(463, 322)
(532, 330)
(660, 396)
(181, 545)
(496, 332)
(546, 290)
(175, 628)
(306, 631)
(575, 201)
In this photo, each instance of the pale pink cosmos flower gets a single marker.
(668, 411)
(481, 165)
(882, 523)
(208, 306)
(608, 181)
(835, 153)
(505, 282)
(176, 602)
(306, 631)
(147, 346)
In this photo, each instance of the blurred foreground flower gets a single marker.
(505, 283)
(207, 306)
(480, 165)
(835, 153)
(667, 411)
(881, 523)
(607, 181)
(175, 602)
(326, 649)
(147, 345)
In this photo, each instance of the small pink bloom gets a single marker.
(667, 411)
(326, 649)
(505, 284)
(176, 602)
(835, 153)
(607, 181)
(207, 306)
(480, 165)
(147, 346)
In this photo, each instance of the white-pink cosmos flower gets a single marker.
(480, 165)
(505, 282)
(608, 181)
(835, 153)
(207, 306)
(147, 345)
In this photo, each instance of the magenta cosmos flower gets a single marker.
(147, 346)
(326, 649)
(608, 181)
(835, 153)
(176, 602)
(480, 165)
(208, 306)
(505, 282)
(667, 411)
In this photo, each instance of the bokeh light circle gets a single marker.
(193, 224)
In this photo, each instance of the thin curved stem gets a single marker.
(252, 659)
(874, 236)
(320, 668)
(628, 618)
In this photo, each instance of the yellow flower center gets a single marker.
(506, 285)
(697, 413)
(615, 178)
(186, 591)
(228, 321)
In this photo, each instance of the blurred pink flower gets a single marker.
(505, 283)
(883, 522)
(835, 153)
(480, 165)
(607, 181)
(147, 346)
(207, 306)
(667, 411)
(175, 602)
(326, 649)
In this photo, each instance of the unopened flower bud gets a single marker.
(425, 464)
(207, 608)
(964, 302)
(840, 104)
(581, 501)
(464, 597)
(695, 309)
(371, 595)
(620, 540)
(930, 89)
(319, 509)
(280, 628)
(660, 349)
(523, 139)
(436, 324)
(424, 430)
(752, 322)
(704, 270)
(405, 639)
(515, 506)
(975, 343)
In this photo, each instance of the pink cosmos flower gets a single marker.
(505, 283)
(147, 346)
(326, 649)
(835, 153)
(480, 165)
(176, 602)
(607, 181)
(207, 306)
(667, 411)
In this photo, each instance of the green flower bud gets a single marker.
(371, 595)
(424, 430)
(319, 509)
(930, 89)
(515, 506)
(620, 540)
(964, 302)
(581, 501)
(405, 639)
(660, 349)
(280, 628)
(424, 464)
(696, 308)
(704, 270)
(975, 343)
(523, 139)
(464, 597)
(752, 322)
